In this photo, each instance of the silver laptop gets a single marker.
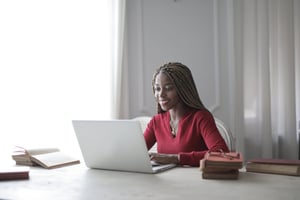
(115, 145)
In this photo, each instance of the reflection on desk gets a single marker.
(78, 182)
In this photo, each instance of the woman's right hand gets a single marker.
(164, 158)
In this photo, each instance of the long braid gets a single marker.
(184, 83)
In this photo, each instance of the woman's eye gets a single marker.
(157, 89)
(165, 88)
(169, 87)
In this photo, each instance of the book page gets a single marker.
(37, 151)
(54, 159)
(19, 150)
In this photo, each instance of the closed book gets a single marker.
(222, 160)
(232, 174)
(14, 173)
(217, 170)
(221, 165)
(274, 166)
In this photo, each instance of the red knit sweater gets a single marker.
(197, 133)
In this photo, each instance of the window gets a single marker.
(54, 67)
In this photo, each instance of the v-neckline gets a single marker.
(178, 125)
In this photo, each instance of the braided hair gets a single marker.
(183, 80)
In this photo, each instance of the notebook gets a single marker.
(115, 145)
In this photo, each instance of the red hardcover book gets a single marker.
(222, 160)
(231, 174)
(14, 173)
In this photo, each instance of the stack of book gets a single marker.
(274, 166)
(45, 157)
(221, 165)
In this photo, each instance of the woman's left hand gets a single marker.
(164, 158)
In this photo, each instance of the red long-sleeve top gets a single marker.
(197, 133)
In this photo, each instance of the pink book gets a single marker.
(225, 160)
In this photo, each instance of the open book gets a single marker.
(45, 157)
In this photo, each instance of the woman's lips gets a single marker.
(163, 102)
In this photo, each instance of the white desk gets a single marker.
(77, 182)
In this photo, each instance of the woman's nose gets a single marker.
(162, 93)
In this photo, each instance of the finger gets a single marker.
(151, 157)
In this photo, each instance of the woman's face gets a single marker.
(165, 92)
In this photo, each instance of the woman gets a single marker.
(183, 128)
